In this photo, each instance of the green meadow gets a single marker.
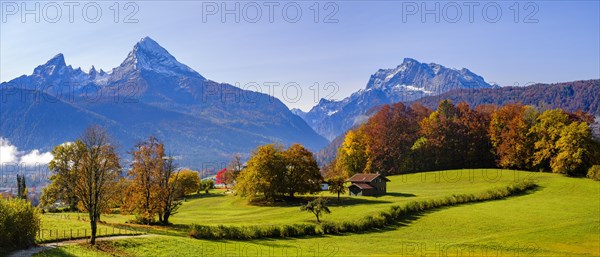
(558, 218)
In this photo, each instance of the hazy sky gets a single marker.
(549, 41)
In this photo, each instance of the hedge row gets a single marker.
(385, 218)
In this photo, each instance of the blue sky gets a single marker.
(550, 41)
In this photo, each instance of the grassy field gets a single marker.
(560, 218)
(219, 208)
(57, 226)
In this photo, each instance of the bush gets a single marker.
(19, 224)
(594, 172)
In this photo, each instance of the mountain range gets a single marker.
(409, 81)
(150, 93)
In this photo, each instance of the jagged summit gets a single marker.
(148, 55)
(406, 82)
(53, 66)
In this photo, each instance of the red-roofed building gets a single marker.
(367, 184)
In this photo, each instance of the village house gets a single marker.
(367, 184)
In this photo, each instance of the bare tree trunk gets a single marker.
(165, 220)
(93, 225)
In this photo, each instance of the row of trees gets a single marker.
(274, 172)
(401, 139)
(87, 176)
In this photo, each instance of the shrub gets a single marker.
(19, 224)
(594, 172)
(328, 227)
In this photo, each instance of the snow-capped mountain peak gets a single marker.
(148, 55)
(53, 66)
(406, 82)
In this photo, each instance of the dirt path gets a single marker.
(36, 249)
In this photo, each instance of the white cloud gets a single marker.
(10, 154)
(36, 158)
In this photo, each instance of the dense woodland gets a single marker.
(570, 96)
(400, 139)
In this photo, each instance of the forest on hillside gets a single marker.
(581, 95)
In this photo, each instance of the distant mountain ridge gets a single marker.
(409, 81)
(149, 93)
(571, 96)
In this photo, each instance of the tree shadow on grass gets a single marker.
(60, 252)
(332, 201)
(202, 196)
(398, 194)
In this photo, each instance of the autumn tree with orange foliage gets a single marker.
(510, 137)
(389, 134)
(152, 188)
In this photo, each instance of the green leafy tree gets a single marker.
(206, 185)
(188, 180)
(546, 132)
(264, 175)
(21, 187)
(594, 172)
(573, 150)
(318, 207)
(336, 186)
(64, 167)
(302, 172)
